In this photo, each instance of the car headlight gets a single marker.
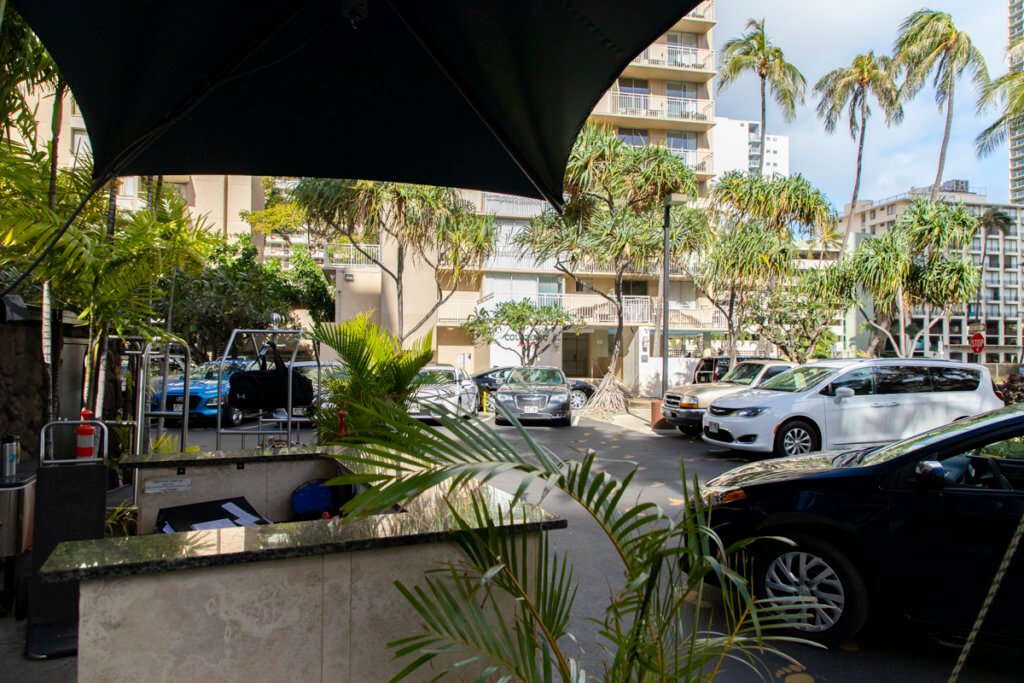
(212, 402)
(688, 402)
(714, 496)
(749, 412)
(559, 398)
(505, 398)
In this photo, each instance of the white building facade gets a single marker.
(736, 146)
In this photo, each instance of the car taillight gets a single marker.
(999, 395)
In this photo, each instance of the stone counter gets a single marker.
(309, 601)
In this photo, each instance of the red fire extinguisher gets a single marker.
(85, 436)
(341, 422)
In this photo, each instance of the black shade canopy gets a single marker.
(483, 94)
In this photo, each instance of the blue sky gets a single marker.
(820, 35)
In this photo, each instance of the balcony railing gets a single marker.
(347, 256)
(698, 160)
(511, 259)
(616, 103)
(510, 205)
(456, 311)
(705, 10)
(677, 56)
(690, 315)
(591, 308)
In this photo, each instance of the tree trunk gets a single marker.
(732, 328)
(399, 304)
(609, 395)
(945, 138)
(856, 182)
(760, 164)
(46, 333)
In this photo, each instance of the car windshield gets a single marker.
(535, 376)
(744, 373)
(439, 376)
(209, 371)
(799, 379)
(880, 455)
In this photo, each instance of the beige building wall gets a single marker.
(419, 293)
(218, 198)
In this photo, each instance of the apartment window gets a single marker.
(129, 186)
(992, 310)
(873, 213)
(634, 136)
(682, 39)
(80, 145)
(991, 357)
(1010, 245)
(992, 293)
(1010, 311)
(976, 244)
(1010, 278)
(890, 210)
(680, 139)
(993, 260)
(1009, 261)
(863, 219)
(633, 86)
(634, 288)
(992, 245)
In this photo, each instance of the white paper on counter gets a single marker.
(214, 524)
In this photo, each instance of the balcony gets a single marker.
(512, 206)
(455, 312)
(698, 160)
(689, 315)
(512, 259)
(705, 10)
(659, 56)
(657, 109)
(347, 256)
(592, 309)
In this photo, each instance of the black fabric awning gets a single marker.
(483, 94)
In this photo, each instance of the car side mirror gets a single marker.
(498, 382)
(931, 475)
(844, 392)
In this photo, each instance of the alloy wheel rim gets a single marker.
(796, 440)
(804, 575)
(577, 399)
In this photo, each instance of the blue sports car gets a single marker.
(203, 401)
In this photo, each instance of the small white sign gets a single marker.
(168, 485)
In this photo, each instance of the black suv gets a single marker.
(915, 530)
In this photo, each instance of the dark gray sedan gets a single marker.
(538, 393)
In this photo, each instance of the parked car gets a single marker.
(684, 406)
(443, 386)
(308, 368)
(536, 393)
(914, 530)
(713, 368)
(203, 401)
(849, 403)
(490, 380)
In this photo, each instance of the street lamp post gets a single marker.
(670, 201)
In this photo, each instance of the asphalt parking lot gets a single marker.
(884, 653)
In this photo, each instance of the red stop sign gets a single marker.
(977, 342)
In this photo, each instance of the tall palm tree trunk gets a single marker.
(945, 139)
(46, 333)
(760, 163)
(856, 181)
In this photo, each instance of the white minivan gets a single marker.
(842, 404)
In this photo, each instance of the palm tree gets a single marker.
(849, 88)
(1008, 90)
(992, 220)
(929, 41)
(753, 51)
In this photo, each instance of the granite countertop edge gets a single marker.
(209, 458)
(164, 565)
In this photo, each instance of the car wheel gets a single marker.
(813, 569)
(690, 430)
(796, 437)
(232, 417)
(577, 399)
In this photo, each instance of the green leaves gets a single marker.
(505, 608)
(523, 327)
(754, 52)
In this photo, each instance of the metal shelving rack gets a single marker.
(260, 431)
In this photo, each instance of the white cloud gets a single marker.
(820, 35)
